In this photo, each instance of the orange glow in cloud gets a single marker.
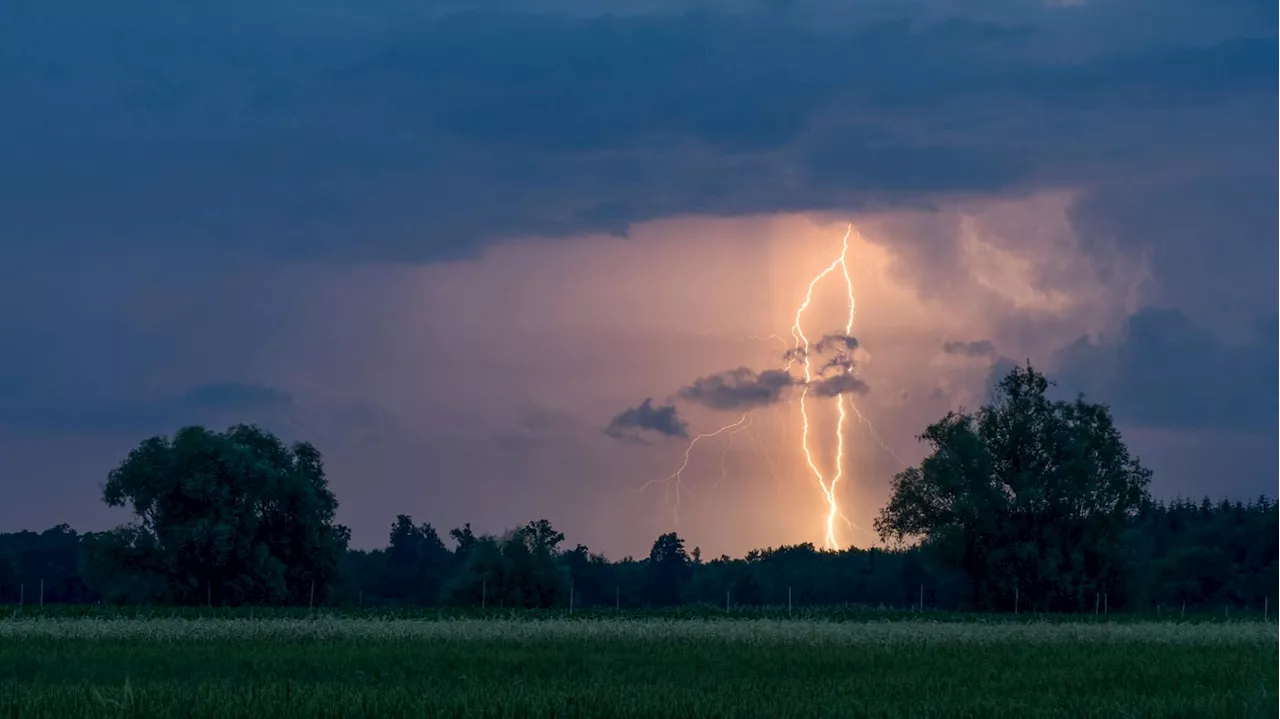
(802, 352)
(802, 344)
(585, 327)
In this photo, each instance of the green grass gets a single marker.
(828, 613)
(333, 666)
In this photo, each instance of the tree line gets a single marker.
(1027, 504)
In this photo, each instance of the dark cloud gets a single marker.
(839, 384)
(738, 389)
(976, 348)
(1167, 373)
(342, 132)
(1208, 240)
(176, 143)
(631, 422)
(840, 344)
(837, 342)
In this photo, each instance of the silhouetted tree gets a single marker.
(1027, 495)
(417, 562)
(669, 569)
(229, 518)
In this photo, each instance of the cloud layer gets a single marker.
(632, 422)
(738, 389)
(297, 205)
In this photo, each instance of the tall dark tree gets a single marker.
(224, 517)
(1027, 496)
(418, 563)
(669, 569)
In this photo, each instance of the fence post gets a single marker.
(1265, 601)
(921, 597)
(1105, 611)
(42, 592)
(1184, 610)
(22, 595)
(484, 592)
(788, 601)
(311, 598)
(571, 597)
(1097, 602)
(1015, 600)
(726, 600)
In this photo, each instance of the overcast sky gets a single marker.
(449, 245)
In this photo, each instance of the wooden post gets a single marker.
(22, 595)
(571, 597)
(1097, 602)
(788, 601)
(1184, 610)
(1104, 604)
(208, 594)
(726, 600)
(311, 598)
(617, 598)
(42, 592)
(484, 592)
(1265, 601)
(1015, 600)
(922, 597)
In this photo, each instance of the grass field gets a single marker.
(335, 666)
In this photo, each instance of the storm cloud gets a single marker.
(273, 184)
(838, 385)
(738, 389)
(335, 132)
(632, 422)
(1164, 372)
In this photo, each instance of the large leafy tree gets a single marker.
(223, 517)
(1028, 496)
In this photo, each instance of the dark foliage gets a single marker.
(1026, 498)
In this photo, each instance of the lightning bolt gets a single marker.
(675, 477)
(728, 445)
(743, 338)
(802, 345)
(799, 351)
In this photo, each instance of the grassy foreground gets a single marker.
(347, 667)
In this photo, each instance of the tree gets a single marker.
(233, 517)
(418, 563)
(522, 569)
(1027, 495)
(669, 569)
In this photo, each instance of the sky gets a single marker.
(458, 244)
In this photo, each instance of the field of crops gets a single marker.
(183, 666)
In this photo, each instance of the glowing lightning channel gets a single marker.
(728, 445)
(799, 351)
(802, 345)
(674, 477)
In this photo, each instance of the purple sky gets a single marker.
(449, 246)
